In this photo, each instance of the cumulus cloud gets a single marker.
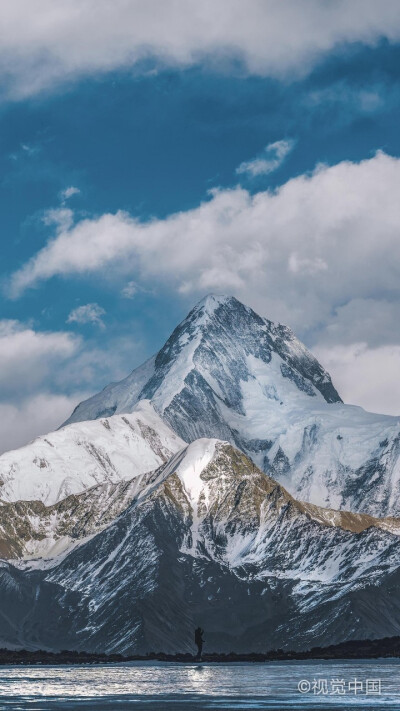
(69, 192)
(365, 376)
(27, 357)
(87, 313)
(296, 253)
(44, 374)
(305, 265)
(360, 346)
(62, 41)
(364, 318)
(130, 290)
(365, 100)
(321, 253)
(43, 412)
(272, 158)
(61, 217)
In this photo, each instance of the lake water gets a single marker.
(343, 685)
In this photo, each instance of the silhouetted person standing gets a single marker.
(199, 641)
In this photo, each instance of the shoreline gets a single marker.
(389, 647)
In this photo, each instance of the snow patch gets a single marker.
(198, 456)
(84, 454)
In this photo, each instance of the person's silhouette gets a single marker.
(199, 641)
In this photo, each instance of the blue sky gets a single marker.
(133, 182)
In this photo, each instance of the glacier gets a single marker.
(210, 538)
(222, 483)
(79, 456)
(226, 372)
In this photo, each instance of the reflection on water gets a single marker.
(155, 686)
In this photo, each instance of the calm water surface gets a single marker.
(166, 687)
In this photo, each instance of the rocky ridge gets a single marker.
(223, 483)
(211, 538)
(226, 372)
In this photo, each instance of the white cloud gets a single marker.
(297, 253)
(30, 150)
(321, 253)
(44, 374)
(274, 155)
(365, 100)
(69, 192)
(305, 265)
(376, 320)
(28, 357)
(61, 217)
(130, 290)
(365, 376)
(88, 313)
(35, 415)
(61, 41)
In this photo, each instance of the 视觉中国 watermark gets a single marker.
(341, 687)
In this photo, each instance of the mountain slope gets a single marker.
(226, 372)
(213, 343)
(212, 541)
(31, 531)
(80, 456)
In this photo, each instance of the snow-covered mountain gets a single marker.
(117, 535)
(226, 372)
(210, 539)
(210, 354)
(35, 534)
(80, 456)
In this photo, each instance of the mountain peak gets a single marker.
(211, 302)
(224, 372)
(211, 307)
(221, 303)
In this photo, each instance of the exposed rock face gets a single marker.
(226, 372)
(213, 344)
(209, 539)
(118, 536)
(30, 530)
